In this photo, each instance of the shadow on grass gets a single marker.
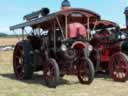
(107, 77)
(104, 77)
(37, 79)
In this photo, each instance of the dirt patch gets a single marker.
(8, 41)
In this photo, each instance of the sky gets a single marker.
(12, 11)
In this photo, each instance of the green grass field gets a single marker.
(69, 86)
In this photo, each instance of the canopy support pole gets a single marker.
(60, 27)
(54, 28)
(94, 28)
(88, 27)
(95, 25)
(16, 35)
(23, 34)
(66, 31)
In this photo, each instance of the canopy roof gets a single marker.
(44, 22)
(103, 24)
(124, 29)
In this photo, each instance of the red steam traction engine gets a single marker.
(107, 54)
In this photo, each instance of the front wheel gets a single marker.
(118, 67)
(85, 71)
(51, 73)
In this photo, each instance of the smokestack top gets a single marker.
(65, 5)
(126, 11)
(126, 16)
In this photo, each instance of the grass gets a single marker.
(69, 86)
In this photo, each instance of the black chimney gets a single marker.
(126, 16)
(65, 5)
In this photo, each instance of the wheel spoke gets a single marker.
(49, 72)
(18, 62)
(17, 57)
(19, 66)
(85, 71)
(86, 78)
(119, 67)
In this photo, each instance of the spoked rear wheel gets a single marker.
(51, 73)
(21, 66)
(18, 62)
(85, 71)
(118, 67)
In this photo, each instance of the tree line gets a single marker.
(7, 35)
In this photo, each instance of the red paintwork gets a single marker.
(76, 29)
(118, 64)
(103, 23)
(107, 48)
(106, 23)
(104, 55)
(108, 52)
(78, 44)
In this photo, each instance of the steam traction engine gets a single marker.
(57, 45)
(109, 50)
